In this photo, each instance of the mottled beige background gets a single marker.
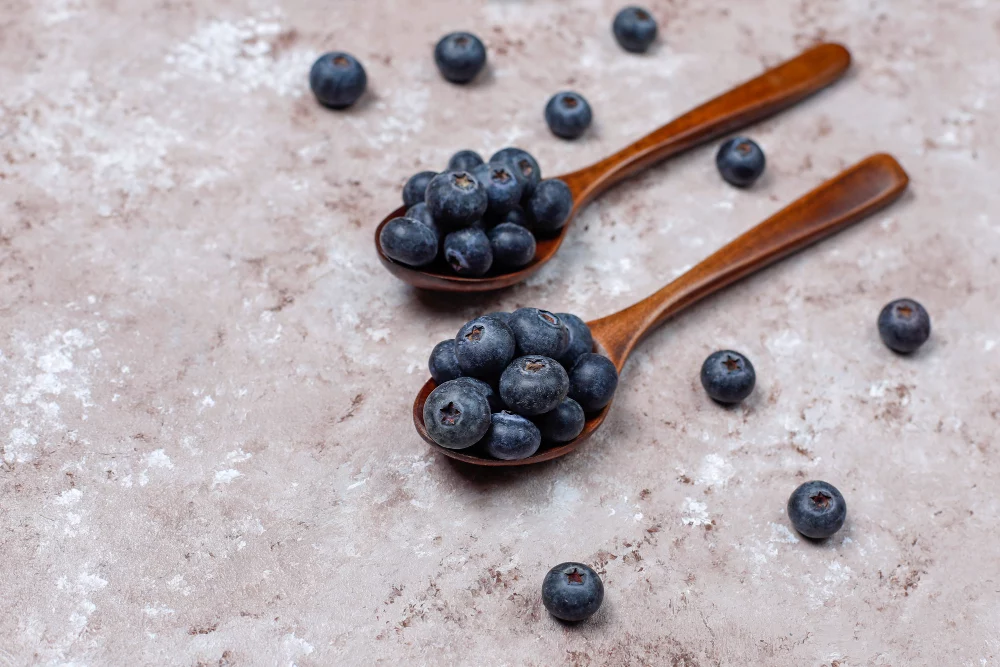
(206, 375)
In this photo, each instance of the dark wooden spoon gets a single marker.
(773, 91)
(854, 194)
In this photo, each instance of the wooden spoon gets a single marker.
(854, 194)
(773, 91)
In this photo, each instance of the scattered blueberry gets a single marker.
(563, 423)
(511, 437)
(517, 216)
(904, 325)
(728, 376)
(550, 206)
(443, 363)
(568, 115)
(416, 188)
(408, 241)
(513, 246)
(503, 189)
(484, 347)
(337, 79)
(572, 591)
(533, 385)
(593, 381)
(485, 389)
(456, 199)
(420, 213)
(740, 161)
(468, 252)
(580, 339)
(460, 56)
(817, 509)
(539, 332)
(456, 415)
(524, 164)
(635, 29)
(464, 161)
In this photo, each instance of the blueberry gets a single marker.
(443, 363)
(904, 325)
(539, 332)
(468, 252)
(524, 164)
(337, 79)
(572, 592)
(485, 389)
(421, 213)
(408, 241)
(728, 376)
(517, 216)
(580, 339)
(513, 246)
(464, 161)
(456, 199)
(484, 347)
(635, 29)
(503, 189)
(415, 189)
(511, 437)
(817, 509)
(501, 315)
(550, 205)
(460, 56)
(533, 385)
(568, 115)
(593, 381)
(740, 161)
(563, 423)
(456, 415)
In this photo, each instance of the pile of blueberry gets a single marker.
(510, 381)
(477, 216)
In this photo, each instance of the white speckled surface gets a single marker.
(207, 376)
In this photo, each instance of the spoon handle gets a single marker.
(847, 198)
(775, 90)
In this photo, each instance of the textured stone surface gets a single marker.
(207, 376)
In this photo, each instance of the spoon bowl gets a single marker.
(775, 90)
(849, 197)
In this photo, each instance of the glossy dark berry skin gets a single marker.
(468, 252)
(484, 347)
(572, 592)
(539, 332)
(518, 217)
(513, 246)
(728, 376)
(511, 437)
(593, 381)
(904, 325)
(456, 199)
(634, 29)
(563, 423)
(740, 161)
(337, 79)
(568, 115)
(464, 161)
(460, 56)
(549, 206)
(533, 385)
(443, 363)
(486, 390)
(503, 188)
(420, 213)
(817, 510)
(416, 188)
(524, 165)
(580, 339)
(408, 241)
(456, 415)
